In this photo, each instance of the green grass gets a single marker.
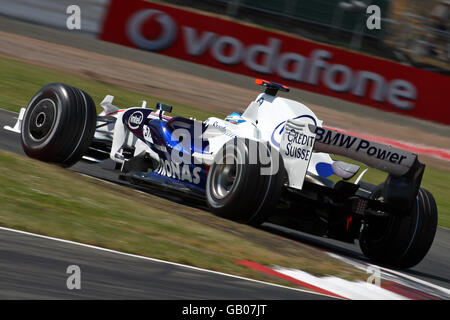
(19, 81)
(46, 199)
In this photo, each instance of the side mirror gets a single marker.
(162, 107)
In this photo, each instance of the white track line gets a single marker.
(156, 260)
(423, 282)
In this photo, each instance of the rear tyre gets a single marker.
(244, 183)
(59, 124)
(401, 241)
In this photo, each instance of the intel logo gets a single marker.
(135, 119)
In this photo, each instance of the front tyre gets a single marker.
(402, 241)
(59, 124)
(245, 181)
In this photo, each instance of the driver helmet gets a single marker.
(235, 118)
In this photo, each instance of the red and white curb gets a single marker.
(273, 272)
(442, 154)
(393, 285)
(358, 290)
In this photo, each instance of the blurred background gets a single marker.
(413, 32)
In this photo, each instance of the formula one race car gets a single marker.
(270, 163)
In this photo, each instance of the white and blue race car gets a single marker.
(270, 163)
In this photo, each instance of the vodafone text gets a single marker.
(268, 58)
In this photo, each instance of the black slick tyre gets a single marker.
(59, 124)
(245, 181)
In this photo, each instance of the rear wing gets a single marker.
(375, 155)
(404, 169)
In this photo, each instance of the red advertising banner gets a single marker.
(299, 63)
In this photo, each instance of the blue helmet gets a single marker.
(235, 118)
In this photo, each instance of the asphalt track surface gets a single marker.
(35, 268)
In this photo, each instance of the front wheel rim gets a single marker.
(42, 120)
